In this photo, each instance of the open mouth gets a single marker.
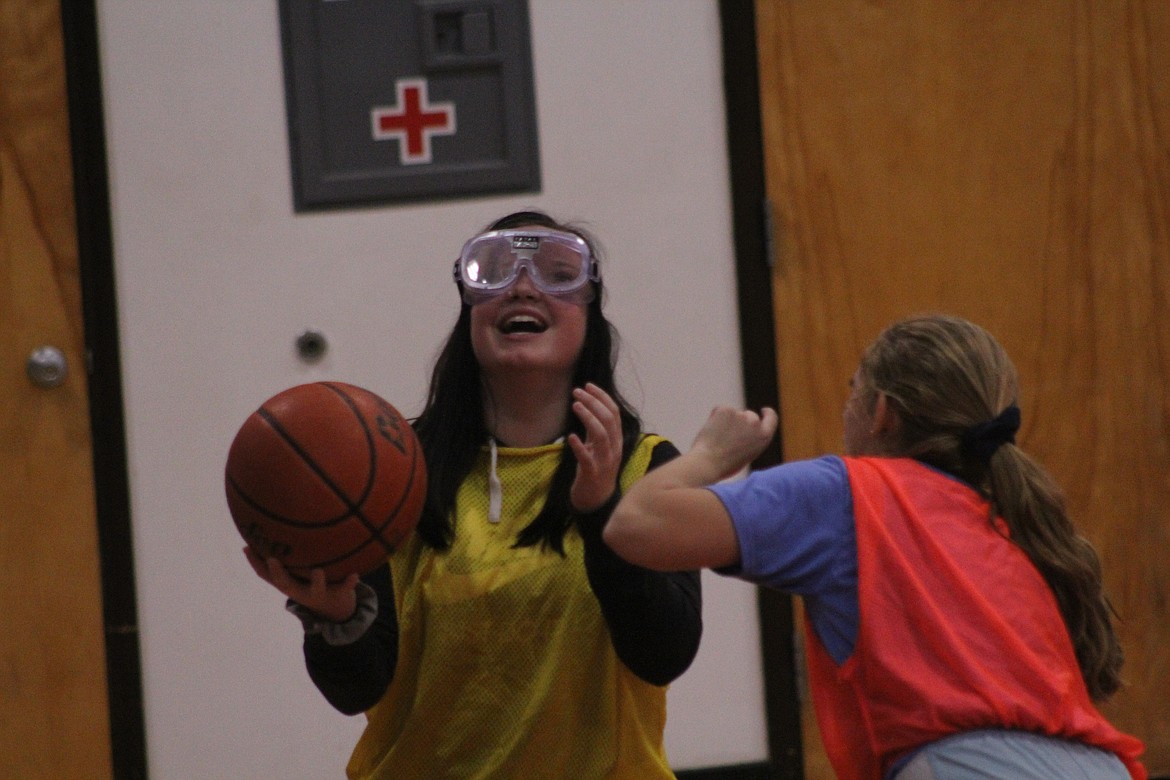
(522, 323)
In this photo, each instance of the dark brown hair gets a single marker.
(452, 430)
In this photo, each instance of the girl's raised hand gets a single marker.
(732, 438)
(599, 456)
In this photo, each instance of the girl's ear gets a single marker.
(887, 425)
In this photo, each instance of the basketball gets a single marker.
(325, 475)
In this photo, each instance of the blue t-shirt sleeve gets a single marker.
(795, 528)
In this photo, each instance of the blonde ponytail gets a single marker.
(955, 389)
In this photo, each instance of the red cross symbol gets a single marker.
(413, 121)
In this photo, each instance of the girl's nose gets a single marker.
(523, 286)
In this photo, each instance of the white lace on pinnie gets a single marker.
(495, 489)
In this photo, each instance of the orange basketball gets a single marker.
(325, 475)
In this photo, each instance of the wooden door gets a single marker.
(1007, 162)
(53, 699)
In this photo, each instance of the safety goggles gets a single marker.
(558, 263)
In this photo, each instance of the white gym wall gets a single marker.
(216, 276)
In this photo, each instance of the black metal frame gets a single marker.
(758, 344)
(107, 429)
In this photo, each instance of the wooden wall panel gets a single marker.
(1009, 163)
(53, 701)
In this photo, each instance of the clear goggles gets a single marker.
(558, 263)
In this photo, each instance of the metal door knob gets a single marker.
(47, 367)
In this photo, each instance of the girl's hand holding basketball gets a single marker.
(335, 603)
(599, 456)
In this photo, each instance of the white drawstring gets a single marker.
(495, 489)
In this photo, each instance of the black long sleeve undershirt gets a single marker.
(654, 621)
(353, 677)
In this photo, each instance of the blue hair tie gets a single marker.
(982, 440)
